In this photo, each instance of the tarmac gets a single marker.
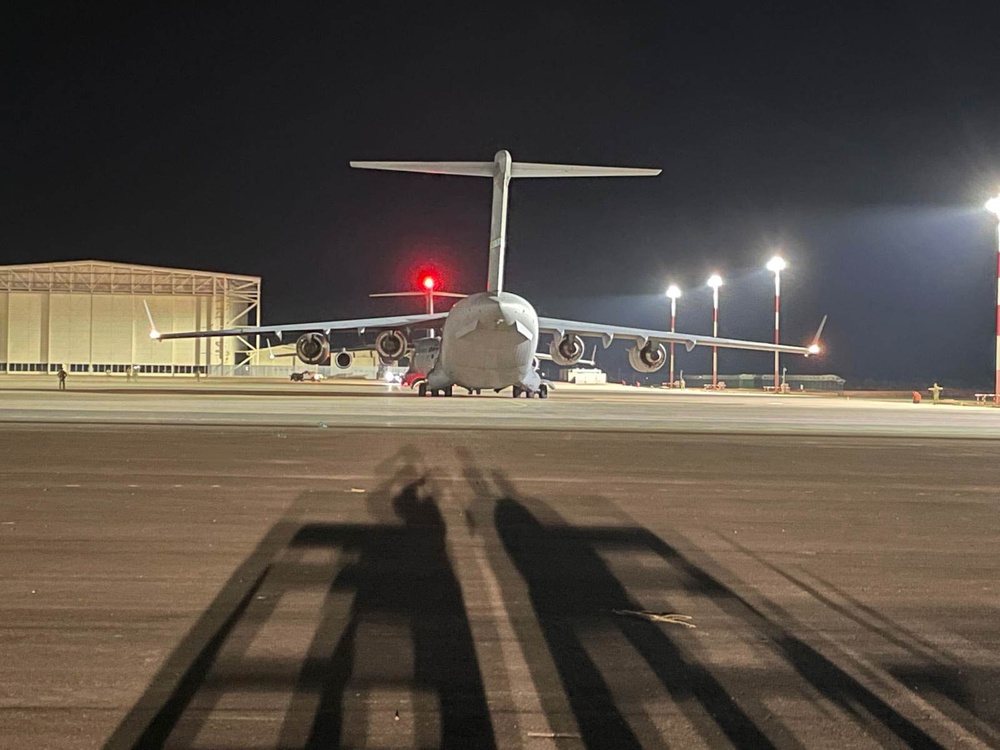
(221, 566)
(233, 402)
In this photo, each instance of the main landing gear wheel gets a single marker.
(422, 389)
(448, 391)
(515, 391)
(543, 391)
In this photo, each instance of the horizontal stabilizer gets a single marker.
(466, 168)
(489, 168)
(528, 169)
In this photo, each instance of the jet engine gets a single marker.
(313, 348)
(391, 345)
(648, 358)
(342, 360)
(566, 350)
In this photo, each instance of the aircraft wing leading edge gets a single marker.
(689, 340)
(399, 321)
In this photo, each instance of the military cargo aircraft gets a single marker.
(489, 340)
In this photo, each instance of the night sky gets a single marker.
(862, 141)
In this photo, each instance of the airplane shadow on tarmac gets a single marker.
(391, 624)
(388, 657)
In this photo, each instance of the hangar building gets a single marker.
(88, 316)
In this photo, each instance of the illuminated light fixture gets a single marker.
(776, 265)
(993, 206)
(428, 282)
(715, 281)
(673, 293)
(154, 334)
(814, 349)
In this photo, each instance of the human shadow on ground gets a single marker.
(391, 623)
(573, 591)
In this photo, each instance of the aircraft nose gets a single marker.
(508, 314)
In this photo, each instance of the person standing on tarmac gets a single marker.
(62, 378)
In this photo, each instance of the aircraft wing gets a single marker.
(358, 324)
(645, 335)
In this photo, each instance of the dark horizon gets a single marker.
(862, 144)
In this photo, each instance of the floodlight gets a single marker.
(776, 264)
(993, 206)
(715, 281)
(673, 291)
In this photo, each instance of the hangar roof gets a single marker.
(121, 278)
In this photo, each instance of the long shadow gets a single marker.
(571, 586)
(396, 574)
(572, 590)
(939, 677)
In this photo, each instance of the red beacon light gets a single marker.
(428, 283)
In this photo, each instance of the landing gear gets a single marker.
(422, 388)
(448, 391)
(542, 392)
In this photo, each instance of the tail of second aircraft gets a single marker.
(501, 169)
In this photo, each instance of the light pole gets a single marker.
(776, 265)
(715, 281)
(993, 206)
(673, 292)
(428, 284)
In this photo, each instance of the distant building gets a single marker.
(88, 316)
(759, 382)
(582, 375)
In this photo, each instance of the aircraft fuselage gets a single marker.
(488, 341)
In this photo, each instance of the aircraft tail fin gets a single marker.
(502, 169)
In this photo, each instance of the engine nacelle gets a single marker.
(313, 348)
(648, 358)
(391, 345)
(343, 360)
(566, 350)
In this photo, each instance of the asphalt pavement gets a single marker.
(231, 402)
(273, 585)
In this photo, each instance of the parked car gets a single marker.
(411, 379)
